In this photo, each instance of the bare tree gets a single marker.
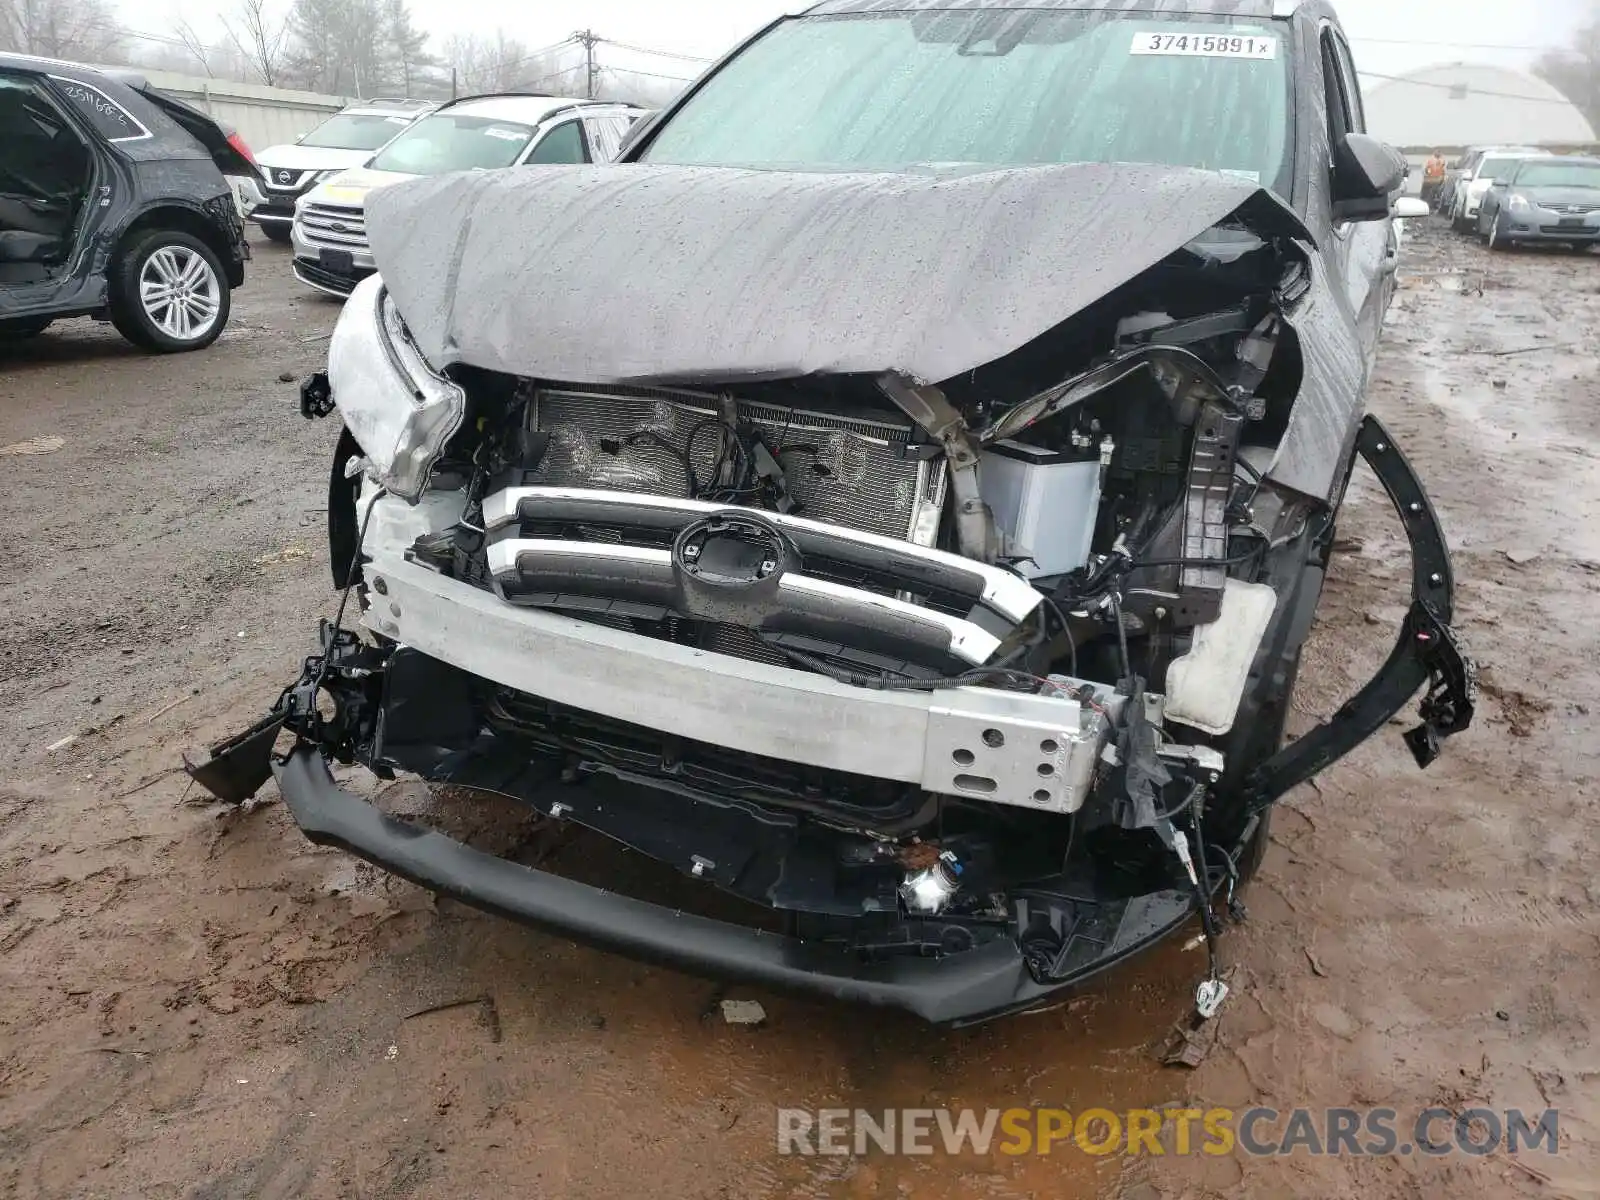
(500, 63)
(194, 46)
(261, 37)
(84, 30)
(1575, 71)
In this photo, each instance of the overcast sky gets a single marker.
(708, 27)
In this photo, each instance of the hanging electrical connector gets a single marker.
(1212, 990)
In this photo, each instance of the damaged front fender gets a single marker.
(1427, 654)
(234, 770)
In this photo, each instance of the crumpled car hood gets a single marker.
(656, 274)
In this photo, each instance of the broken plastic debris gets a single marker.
(1208, 998)
(392, 1053)
(1189, 1042)
(743, 1012)
(38, 445)
(287, 554)
(62, 744)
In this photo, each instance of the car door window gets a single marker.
(103, 114)
(1350, 85)
(1340, 121)
(605, 135)
(563, 144)
(43, 160)
(46, 171)
(623, 123)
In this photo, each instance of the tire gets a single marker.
(169, 293)
(24, 328)
(1496, 242)
(276, 233)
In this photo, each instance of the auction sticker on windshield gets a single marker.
(1206, 45)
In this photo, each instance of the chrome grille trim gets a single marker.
(333, 225)
(995, 587)
(272, 180)
(619, 569)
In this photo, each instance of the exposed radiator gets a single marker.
(844, 470)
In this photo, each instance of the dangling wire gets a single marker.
(1122, 636)
(1066, 629)
(350, 583)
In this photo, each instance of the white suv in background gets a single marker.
(346, 139)
(1477, 176)
(478, 133)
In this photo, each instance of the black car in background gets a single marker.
(1545, 199)
(113, 205)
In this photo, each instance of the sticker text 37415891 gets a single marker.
(1206, 45)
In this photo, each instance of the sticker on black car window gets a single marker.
(105, 115)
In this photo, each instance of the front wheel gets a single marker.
(169, 293)
(276, 233)
(1496, 242)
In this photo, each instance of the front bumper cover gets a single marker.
(963, 988)
(989, 980)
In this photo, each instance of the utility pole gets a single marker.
(588, 40)
(453, 81)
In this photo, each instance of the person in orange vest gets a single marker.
(1432, 178)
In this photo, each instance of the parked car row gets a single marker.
(347, 139)
(329, 233)
(123, 203)
(1467, 181)
(1513, 194)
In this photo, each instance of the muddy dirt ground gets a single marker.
(195, 1002)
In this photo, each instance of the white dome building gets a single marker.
(1472, 104)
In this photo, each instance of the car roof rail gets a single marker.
(500, 95)
(393, 102)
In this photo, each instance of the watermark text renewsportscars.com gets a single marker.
(1173, 1131)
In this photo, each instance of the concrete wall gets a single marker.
(263, 116)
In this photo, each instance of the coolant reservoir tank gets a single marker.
(1045, 503)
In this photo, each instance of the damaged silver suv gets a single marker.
(896, 494)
